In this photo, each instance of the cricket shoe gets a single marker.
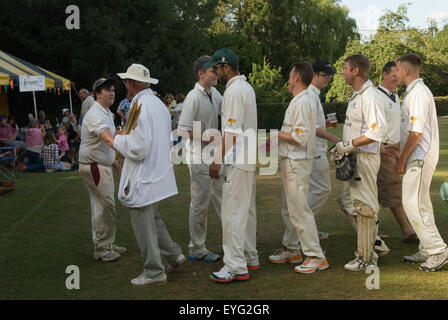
(435, 262)
(106, 253)
(283, 255)
(143, 280)
(253, 267)
(180, 261)
(206, 257)
(312, 264)
(224, 276)
(415, 258)
(359, 263)
(117, 249)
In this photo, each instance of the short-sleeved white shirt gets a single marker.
(300, 121)
(419, 115)
(365, 117)
(199, 106)
(320, 144)
(239, 117)
(392, 111)
(93, 149)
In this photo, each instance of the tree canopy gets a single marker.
(393, 38)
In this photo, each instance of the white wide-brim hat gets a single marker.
(139, 73)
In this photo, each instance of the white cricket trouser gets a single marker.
(320, 184)
(202, 189)
(100, 184)
(153, 239)
(296, 213)
(363, 189)
(239, 220)
(418, 206)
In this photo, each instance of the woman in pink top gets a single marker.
(34, 140)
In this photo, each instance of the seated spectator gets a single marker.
(50, 154)
(73, 137)
(12, 122)
(34, 140)
(41, 116)
(6, 186)
(8, 136)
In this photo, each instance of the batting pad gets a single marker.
(367, 230)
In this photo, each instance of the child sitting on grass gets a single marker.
(50, 154)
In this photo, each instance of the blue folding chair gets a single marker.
(8, 158)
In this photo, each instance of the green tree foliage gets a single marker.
(165, 35)
(288, 31)
(392, 39)
(268, 83)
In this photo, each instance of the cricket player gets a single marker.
(320, 183)
(388, 182)
(202, 104)
(148, 177)
(296, 151)
(364, 130)
(418, 160)
(96, 161)
(239, 145)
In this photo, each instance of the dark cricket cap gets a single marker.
(323, 66)
(223, 56)
(200, 62)
(102, 82)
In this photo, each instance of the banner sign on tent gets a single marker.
(31, 83)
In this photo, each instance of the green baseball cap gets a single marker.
(222, 56)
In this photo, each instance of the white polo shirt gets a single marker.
(320, 145)
(199, 106)
(419, 115)
(93, 149)
(365, 117)
(239, 117)
(300, 121)
(392, 111)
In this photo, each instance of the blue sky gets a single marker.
(367, 12)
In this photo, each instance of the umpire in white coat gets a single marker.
(148, 177)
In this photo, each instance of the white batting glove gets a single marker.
(343, 148)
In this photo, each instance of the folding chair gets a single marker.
(8, 159)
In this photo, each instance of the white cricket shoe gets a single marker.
(143, 280)
(415, 258)
(435, 262)
(180, 261)
(283, 255)
(312, 264)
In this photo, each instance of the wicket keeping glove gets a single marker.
(343, 148)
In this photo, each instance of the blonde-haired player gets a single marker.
(417, 161)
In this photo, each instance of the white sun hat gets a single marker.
(138, 72)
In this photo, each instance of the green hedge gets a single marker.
(271, 115)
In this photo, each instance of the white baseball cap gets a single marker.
(138, 72)
(65, 110)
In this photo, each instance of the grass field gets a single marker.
(45, 226)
